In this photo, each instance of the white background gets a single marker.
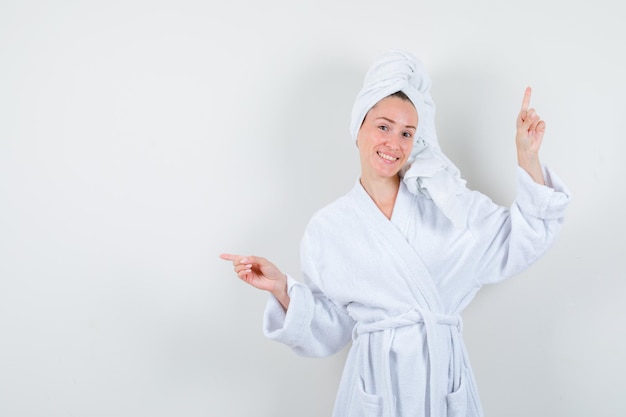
(140, 139)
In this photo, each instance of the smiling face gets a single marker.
(385, 139)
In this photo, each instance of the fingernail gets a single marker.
(243, 260)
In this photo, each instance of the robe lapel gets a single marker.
(393, 233)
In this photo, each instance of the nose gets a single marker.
(393, 142)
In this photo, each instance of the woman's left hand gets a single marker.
(528, 139)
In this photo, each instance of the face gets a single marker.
(385, 139)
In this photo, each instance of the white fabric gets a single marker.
(428, 170)
(397, 287)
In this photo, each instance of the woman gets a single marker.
(392, 264)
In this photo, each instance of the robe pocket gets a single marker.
(366, 404)
(456, 402)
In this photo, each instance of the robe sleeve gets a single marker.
(313, 325)
(510, 240)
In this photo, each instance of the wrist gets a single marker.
(532, 166)
(281, 292)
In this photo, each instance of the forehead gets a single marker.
(402, 110)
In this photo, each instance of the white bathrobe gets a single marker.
(396, 288)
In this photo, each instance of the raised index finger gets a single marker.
(526, 101)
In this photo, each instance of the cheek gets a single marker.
(408, 147)
(368, 141)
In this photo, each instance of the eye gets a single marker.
(383, 128)
(407, 135)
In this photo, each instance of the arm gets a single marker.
(298, 315)
(510, 240)
(314, 325)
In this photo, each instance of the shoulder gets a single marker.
(334, 213)
(338, 217)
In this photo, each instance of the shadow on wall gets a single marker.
(475, 118)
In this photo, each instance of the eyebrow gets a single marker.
(393, 122)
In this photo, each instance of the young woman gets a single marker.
(391, 264)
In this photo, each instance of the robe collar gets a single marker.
(394, 231)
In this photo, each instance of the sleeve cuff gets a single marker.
(543, 201)
(287, 326)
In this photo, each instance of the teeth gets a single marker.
(387, 157)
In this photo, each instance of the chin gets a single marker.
(388, 174)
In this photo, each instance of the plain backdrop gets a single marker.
(140, 139)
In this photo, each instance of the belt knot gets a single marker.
(410, 318)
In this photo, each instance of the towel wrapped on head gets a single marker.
(428, 171)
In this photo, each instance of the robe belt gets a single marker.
(431, 322)
(410, 318)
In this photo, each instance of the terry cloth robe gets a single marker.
(396, 288)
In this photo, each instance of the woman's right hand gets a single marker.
(261, 274)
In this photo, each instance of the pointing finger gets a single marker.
(235, 259)
(526, 100)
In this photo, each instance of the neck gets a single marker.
(383, 191)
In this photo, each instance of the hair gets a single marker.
(400, 94)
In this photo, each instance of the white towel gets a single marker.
(428, 170)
